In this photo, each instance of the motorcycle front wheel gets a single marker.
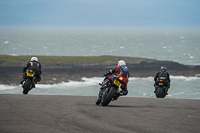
(98, 101)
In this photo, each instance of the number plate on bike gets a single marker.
(117, 83)
(29, 74)
(160, 83)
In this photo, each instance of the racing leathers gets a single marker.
(165, 75)
(121, 71)
(36, 67)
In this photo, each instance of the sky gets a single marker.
(100, 13)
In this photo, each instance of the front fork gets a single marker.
(102, 92)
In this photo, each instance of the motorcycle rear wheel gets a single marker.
(109, 96)
(160, 93)
(27, 86)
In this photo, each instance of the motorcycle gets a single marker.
(161, 91)
(111, 91)
(29, 82)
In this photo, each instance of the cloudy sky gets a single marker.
(95, 13)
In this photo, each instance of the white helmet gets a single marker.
(34, 59)
(121, 63)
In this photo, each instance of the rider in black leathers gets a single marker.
(35, 66)
(162, 73)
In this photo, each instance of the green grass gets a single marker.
(22, 60)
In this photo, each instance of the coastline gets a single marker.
(62, 69)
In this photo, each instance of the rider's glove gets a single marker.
(109, 72)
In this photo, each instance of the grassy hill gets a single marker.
(64, 68)
(21, 60)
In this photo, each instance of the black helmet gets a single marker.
(163, 68)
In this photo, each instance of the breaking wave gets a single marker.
(181, 87)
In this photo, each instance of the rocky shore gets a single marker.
(10, 73)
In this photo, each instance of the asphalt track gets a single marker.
(79, 114)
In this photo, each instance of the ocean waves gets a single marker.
(181, 88)
(178, 46)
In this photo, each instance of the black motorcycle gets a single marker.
(161, 90)
(111, 91)
(29, 82)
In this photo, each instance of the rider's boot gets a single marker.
(167, 90)
(22, 80)
(33, 85)
(156, 88)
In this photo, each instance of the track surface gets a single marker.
(79, 114)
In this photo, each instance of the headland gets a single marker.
(57, 69)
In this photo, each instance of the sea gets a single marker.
(179, 45)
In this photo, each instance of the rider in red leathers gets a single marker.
(122, 71)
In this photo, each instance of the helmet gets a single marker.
(34, 59)
(121, 63)
(163, 68)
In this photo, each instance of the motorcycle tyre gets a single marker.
(98, 101)
(160, 93)
(109, 96)
(27, 86)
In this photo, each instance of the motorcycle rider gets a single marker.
(122, 71)
(162, 73)
(35, 66)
